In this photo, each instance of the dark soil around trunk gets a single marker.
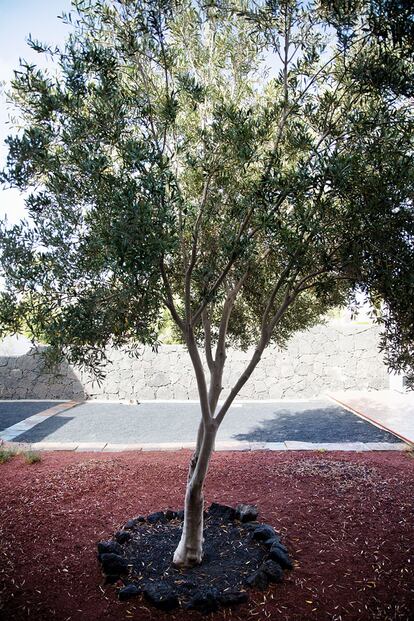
(236, 555)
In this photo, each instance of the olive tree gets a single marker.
(246, 165)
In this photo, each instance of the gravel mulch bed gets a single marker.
(238, 552)
(347, 520)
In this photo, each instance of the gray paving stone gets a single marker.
(327, 446)
(54, 446)
(387, 446)
(232, 446)
(276, 446)
(259, 446)
(90, 446)
(162, 446)
(113, 447)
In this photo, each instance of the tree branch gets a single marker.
(169, 301)
(220, 354)
(207, 339)
(264, 341)
(225, 270)
(193, 258)
(200, 377)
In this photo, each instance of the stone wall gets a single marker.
(336, 356)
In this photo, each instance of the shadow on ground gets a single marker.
(41, 431)
(330, 424)
(12, 413)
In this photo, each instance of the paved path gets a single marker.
(14, 412)
(388, 409)
(248, 425)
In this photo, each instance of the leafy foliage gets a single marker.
(165, 167)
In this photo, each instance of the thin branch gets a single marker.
(165, 70)
(200, 377)
(285, 61)
(266, 332)
(283, 195)
(276, 290)
(255, 359)
(169, 301)
(226, 269)
(220, 354)
(227, 309)
(193, 259)
(268, 328)
(207, 339)
(287, 113)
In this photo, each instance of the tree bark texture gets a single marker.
(190, 548)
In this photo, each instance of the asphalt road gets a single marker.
(312, 421)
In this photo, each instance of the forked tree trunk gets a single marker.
(189, 551)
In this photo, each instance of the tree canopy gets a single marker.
(247, 165)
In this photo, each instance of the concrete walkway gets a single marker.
(250, 425)
(387, 409)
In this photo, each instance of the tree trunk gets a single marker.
(189, 551)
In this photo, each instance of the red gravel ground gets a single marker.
(346, 518)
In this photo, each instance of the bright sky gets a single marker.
(18, 19)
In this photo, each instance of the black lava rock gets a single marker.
(135, 521)
(108, 547)
(278, 554)
(122, 536)
(222, 511)
(161, 596)
(113, 564)
(167, 592)
(273, 570)
(263, 532)
(233, 599)
(205, 601)
(251, 526)
(170, 515)
(158, 516)
(246, 513)
(127, 592)
(258, 580)
(275, 539)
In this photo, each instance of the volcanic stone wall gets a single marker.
(335, 356)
